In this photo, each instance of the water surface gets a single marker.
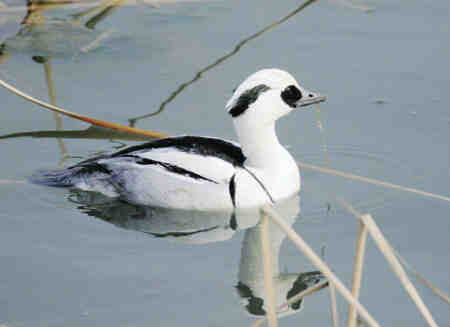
(386, 117)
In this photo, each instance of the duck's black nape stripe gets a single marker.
(260, 184)
(246, 99)
(171, 168)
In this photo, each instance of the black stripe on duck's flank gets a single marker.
(246, 99)
(172, 168)
(204, 146)
(232, 189)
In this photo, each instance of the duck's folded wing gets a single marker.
(196, 157)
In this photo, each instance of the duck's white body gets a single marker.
(203, 173)
(224, 184)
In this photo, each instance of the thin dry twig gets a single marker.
(322, 266)
(372, 181)
(333, 303)
(87, 119)
(422, 279)
(390, 257)
(357, 272)
(322, 133)
(352, 5)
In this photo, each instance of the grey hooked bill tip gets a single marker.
(308, 101)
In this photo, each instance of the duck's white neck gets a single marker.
(261, 146)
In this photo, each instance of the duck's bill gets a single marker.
(311, 100)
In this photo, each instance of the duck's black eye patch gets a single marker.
(291, 95)
(246, 99)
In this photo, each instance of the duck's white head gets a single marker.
(267, 95)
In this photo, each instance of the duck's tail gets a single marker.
(57, 178)
(71, 176)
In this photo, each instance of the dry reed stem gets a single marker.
(87, 119)
(350, 4)
(390, 257)
(74, 5)
(298, 297)
(315, 259)
(268, 272)
(372, 181)
(333, 303)
(322, 133)
(357, 271)
(421, 278)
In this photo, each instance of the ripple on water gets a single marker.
(41, 198)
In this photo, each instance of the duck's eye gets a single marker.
(291, 95)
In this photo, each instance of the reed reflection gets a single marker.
(44, 38)
(200, 227)
(199, 74)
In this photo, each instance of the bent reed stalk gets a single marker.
(92, 121)
(372, 181)
(390, 257)
(320, 264)
(357, 271)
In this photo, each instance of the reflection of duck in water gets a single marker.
(251, 275)
(201, 227)
(203, 173)
(196, 227)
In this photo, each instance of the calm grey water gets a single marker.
(71, 259)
